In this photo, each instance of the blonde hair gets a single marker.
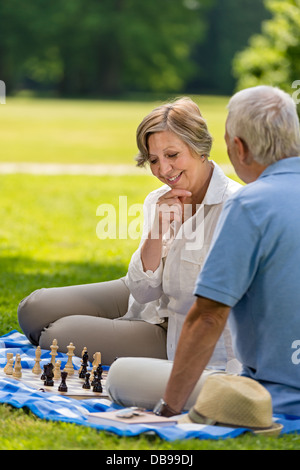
(183, 118)
(266, 119)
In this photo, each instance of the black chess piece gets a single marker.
(87, 384)
(43, 376)
(63, 386)
(97, 383)
(83, 371)
(99, 371)
(94, 378)
(85, 358)
(49, 375)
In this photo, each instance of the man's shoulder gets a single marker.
(232, 186)
(246, 200)
(251, 191)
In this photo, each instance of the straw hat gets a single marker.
(234, 401)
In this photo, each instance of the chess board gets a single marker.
(74, 384)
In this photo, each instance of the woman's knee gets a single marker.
(28, 313)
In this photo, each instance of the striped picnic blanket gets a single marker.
(50, 406)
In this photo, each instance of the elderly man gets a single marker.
(253, 266)
(251, 273)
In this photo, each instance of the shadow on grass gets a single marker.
(20, 276)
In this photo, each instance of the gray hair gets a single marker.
(266, 119)
(183, 118)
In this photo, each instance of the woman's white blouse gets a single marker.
(167, 293)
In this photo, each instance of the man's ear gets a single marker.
(242, 151)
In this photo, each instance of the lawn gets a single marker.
(67, 131)
(48, 237)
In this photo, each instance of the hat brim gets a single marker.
(274, 430)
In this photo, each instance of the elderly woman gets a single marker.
(142, 314)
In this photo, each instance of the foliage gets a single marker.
(230, 23)
(112, 47)
(102, 46)
(272, 56)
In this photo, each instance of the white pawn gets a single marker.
(17, 372)
(57, 370)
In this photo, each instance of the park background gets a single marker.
(80, 76)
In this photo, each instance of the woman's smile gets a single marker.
(174, 179)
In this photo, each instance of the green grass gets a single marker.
(48, 238)
(67, 131)
(21, 430)
(48, 233)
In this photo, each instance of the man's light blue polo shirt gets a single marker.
(253, 266)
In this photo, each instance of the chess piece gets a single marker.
(63, 386)
(7, 367)
(85, 358)
(87, 384)
(97, 359)
(69, 366)
(97, 384)
(99, 371)
(10, 366)
(37, 368)
(43, 376)
(17, 371)
(49, 375)
(93, 374)
(57, 370)
(83, 371)
(54, 348)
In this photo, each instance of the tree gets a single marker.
(272, 56)
(130, 44)
(100, 46)
(230, 23)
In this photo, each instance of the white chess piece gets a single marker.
(10, 366)
(6, 368)
(97, 359)
(69, 366)
(57, 370)
(37, 368)
(54, 348)
(17, 371)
